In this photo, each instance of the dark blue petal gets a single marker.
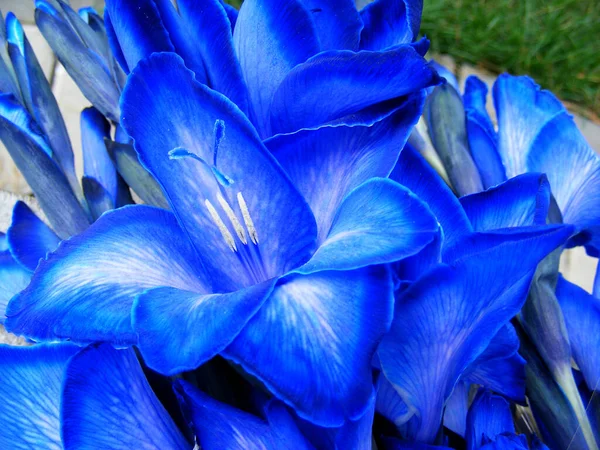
(445, 73)
(270, 38)
(337, 23)
(390, 405)
(30, 387)
(508, 442)
(456, 409)
(450, 315)
(522, 110)
(378, 222)
(412, 267)
(86, 67)
(488, 417)
(107, 403)
(573, 169)
(138, 28)
(354, 83)
(180, 330)
(475, 99)
(357, 434)
(417, 175)
(13, 279)
(521, 201)
(337, 317)
(582, 317)
(113, 42)
(84, 291)
(327, 163)
(19, 134)
(232, 13)
(166, 110)
(389, 23)
(30, 239)
(8, 78)
(396, 444)
(97, 197)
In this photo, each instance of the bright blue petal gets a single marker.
(456, 409)
(354, 83)
(86, 67)
(417, 175)
(450, 315)
(84, 291)
(165, 109)
(30, 239)
(390, 405)
(327, 163)
(573, 169)
(378, 222)
(113, 42)
(411, 268)
(389, 23)
(521, 201)
(331, 323)
(108, 404)
(338, 24)
(445, 73)
(270, 38)
(13, 279)
(180, 330)
(21, 137)
(582, 317)
(488, 417)
(357, 434)
(31, 381)
(522, 110)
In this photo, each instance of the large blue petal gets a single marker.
(327, 163)
(13, 279)
(389, 23)
(522, 110)
(582, 318)
(450, 315)
(29, 238)
(389, 403)
(228, 176)
(378, 222)
(355, 83)
(322, 332)
(232, 13)
(107, 403)
(456, 409)
(573, 169)
(417, 175)
(30, 386)
(180, 330)
(521, 201)
(488, 417)
(21, 137)
(270, 38)
(337, 23)
(84, 291)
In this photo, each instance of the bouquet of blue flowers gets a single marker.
(264, 251)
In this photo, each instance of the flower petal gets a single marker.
(165, 110)
(456, 409)
(521, 201)
(355, 83)
(337, 23)
(29, 238)
(450, 315)
(331, 322)
(489, 416)
(389, 23)
(84, 291)
(108, 403)
(30, 387)
(13, 279)
(378, 222)
(390, 405)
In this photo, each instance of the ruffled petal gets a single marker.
(450, 315)
(488, 417)
(417, 175)
(331, 322)
(327, 163)
(29, 238)
(108, 403)
(338, 24)
(354, 83)
(180, 330)
(270, 38)
(389, 23)
(522, 110)
(245, 218)
(521, 201)
(582, 318)
(84, 291)
(379, 222)
(13, 279)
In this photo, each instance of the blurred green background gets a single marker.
(557, 42)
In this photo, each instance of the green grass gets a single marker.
(557, 42)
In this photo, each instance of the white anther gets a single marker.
(221, 226)
(247, 218)
(237, 226)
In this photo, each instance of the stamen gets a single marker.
(247, 218)
(222, 227)
(233, 219)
